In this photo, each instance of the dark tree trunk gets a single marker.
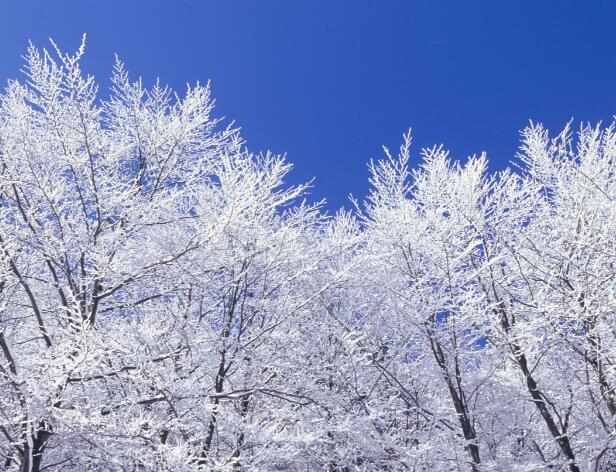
(559, 434)
(454, 385)
(33, 453)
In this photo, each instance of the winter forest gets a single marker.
(167, 303)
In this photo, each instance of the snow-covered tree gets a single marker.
(167, 303)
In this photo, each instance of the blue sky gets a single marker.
(329, 82)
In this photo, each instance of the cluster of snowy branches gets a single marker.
(168, 304)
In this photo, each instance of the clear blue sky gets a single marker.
(329, 82)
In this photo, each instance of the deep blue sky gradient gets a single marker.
(329, 82)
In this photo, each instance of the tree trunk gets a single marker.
(33, 452)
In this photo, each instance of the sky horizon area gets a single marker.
(328, 83)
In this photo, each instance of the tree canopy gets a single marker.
(168, 303)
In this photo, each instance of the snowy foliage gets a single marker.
(168, 304)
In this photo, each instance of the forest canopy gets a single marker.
(168, 303)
